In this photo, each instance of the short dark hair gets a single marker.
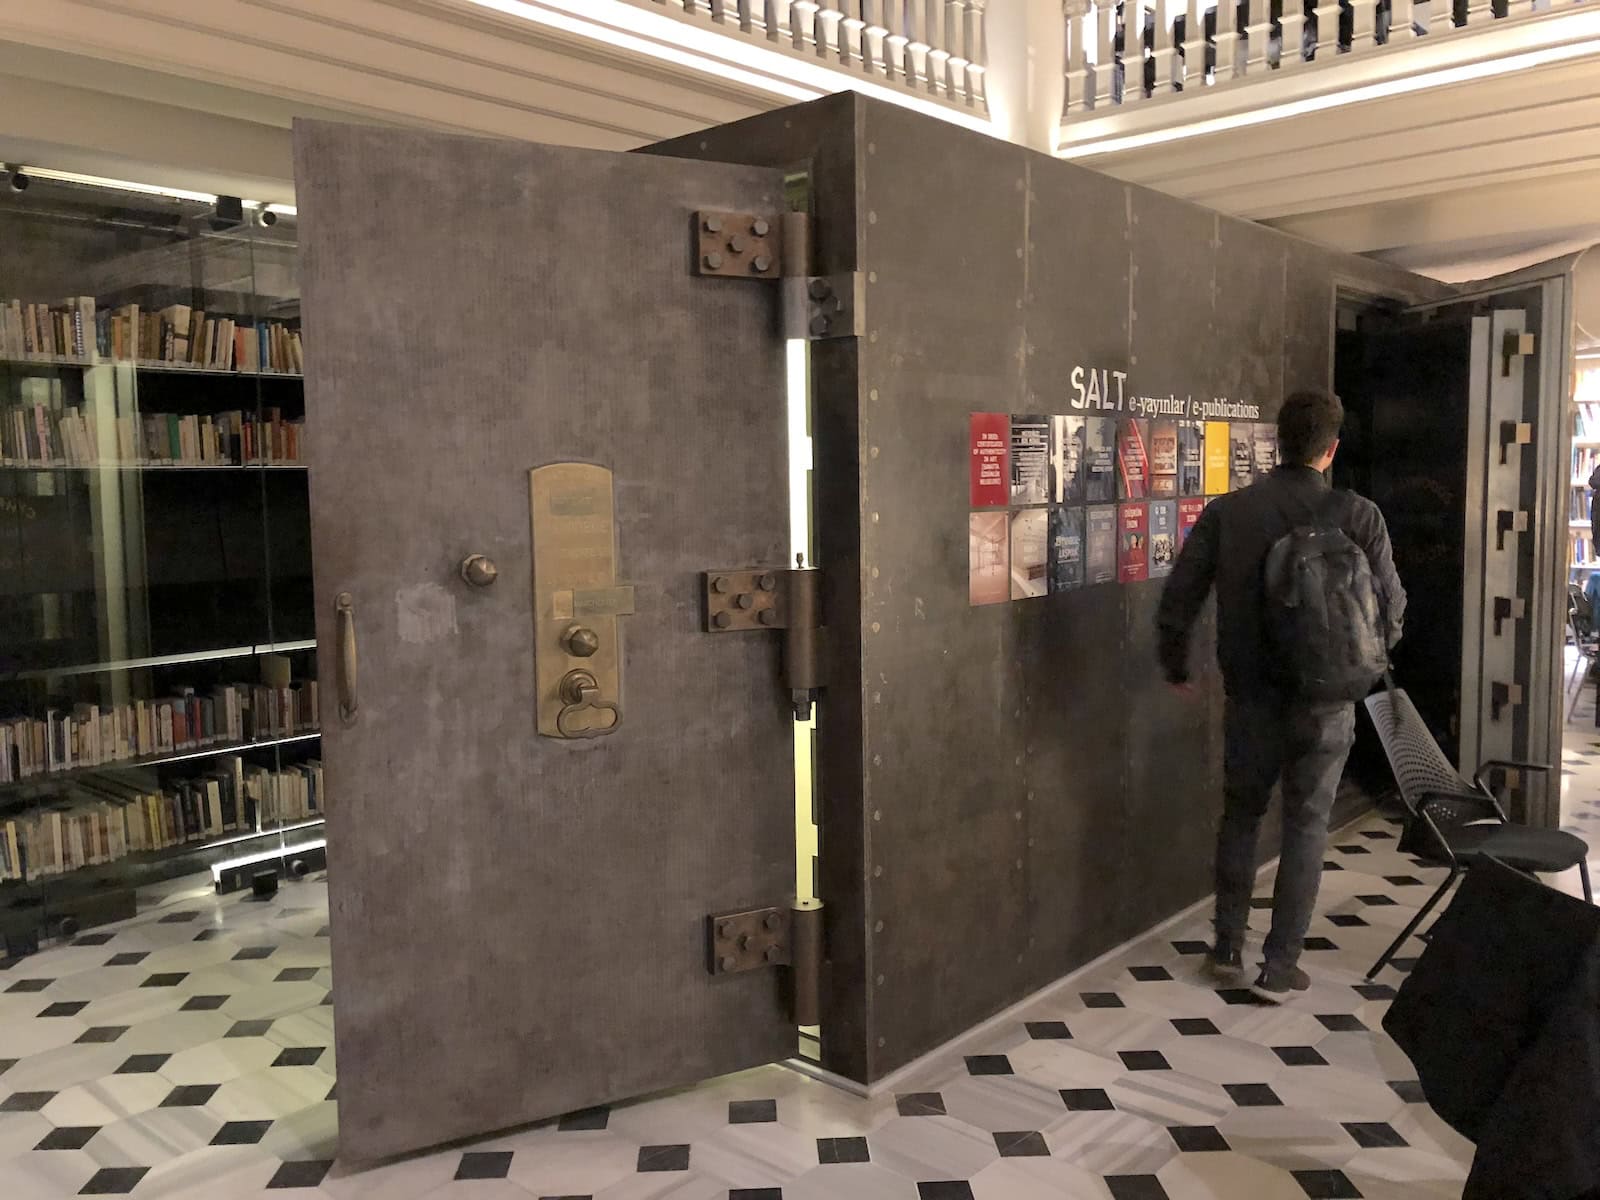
(1308, 425)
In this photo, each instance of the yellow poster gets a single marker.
(1217, 450)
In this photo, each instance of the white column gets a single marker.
(1327, 29)
(1294, 30)
(1164, 50)
(1194, 46)
(1027, 70)
(1257, 34)
(1073, 20)
(1364, 29)
(1227, 40)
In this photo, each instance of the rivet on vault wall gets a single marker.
(877, 927)
(875, 572)
(872, 453)
(877, 814)
(872, 277)
(877, 872)
(872, 218)
(880, 980)
(876, 628)
(872, 147)
(873, 394)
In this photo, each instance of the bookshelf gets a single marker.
(1581, 557)
(158, 694)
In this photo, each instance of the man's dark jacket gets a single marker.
(1227, 549)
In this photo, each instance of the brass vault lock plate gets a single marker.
(577, 601)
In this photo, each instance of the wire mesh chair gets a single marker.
(1454, 823)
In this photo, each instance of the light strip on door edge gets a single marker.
(656, 35)
(218, 868)
(1444, 77)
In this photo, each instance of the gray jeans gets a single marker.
(1303, 747)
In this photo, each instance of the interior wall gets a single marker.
(1000, 786)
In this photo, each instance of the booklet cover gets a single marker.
(1100, 460)
(1100, 545)
(1241, 455)
(989, 448)
(1030, 553)
(1066, 460)
(1133, 543)
(1188, 514)
(988, 558)
(1066, 549)
(1163, 537)
(1266, 448)
(1133, 458)
(1030, 460)
(1218, 450)
(1164, 458)
(1191, 458)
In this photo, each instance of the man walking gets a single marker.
(1276, 726)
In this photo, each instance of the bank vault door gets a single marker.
(549, 502)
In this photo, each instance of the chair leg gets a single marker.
(1422, 912)
(1583, 873)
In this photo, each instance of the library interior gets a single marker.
(493, 699)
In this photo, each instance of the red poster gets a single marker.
(991, 466)
(1133, 543)
(1188, 513)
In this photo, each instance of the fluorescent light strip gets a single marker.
(218, 868)
(250, 837)
(621, 26)
(1357, 95)
(121, 185)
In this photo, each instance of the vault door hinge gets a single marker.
(730, 245)
(757, 598)
(785, 936)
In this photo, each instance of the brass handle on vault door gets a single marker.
(580, 693)
(345, 611)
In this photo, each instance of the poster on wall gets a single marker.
(1100, 460)
(1188, 514)
(1030, 553)
(1100, 545)
(1219, 464)
(1266, 448)
(1241, 455)
(1030, 460)
(1163, 537)
(988, 558)
(989, 450)
(1066, 549)
(1133, 543)
(1191, 458)
(1163, 459)
(1066, 460)
(1133, 458)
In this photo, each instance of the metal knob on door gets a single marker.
(479, 570)
(580, 693)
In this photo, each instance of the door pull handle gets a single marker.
(580, 693)
(345, 609)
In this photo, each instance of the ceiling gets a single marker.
(1459, 181)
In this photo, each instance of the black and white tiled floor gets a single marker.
(188, 1054)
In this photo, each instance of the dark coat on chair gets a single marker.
(1501, 1017)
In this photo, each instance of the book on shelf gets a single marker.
(1587, 424)
(173, 335)
(37, 434)
(106, 817)
(89, 735)
(1583, 551)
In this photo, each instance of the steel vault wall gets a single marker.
(1005, 792)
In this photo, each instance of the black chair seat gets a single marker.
(1547, 850)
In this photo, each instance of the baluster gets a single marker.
(1132, 51)
(1402, 23)
(1327, 29)
(1194, 46)
(1074, 60)
(1258, 33)
(1227, 41)
(852, 48)
(916, 44)
(894, 39)
(978, 53)
(772, 18)
(1162, 49)
(1363, 33)
(719, 11)
(1291, 53)
(747, 16)
(1105, 63)
(872, 35)
(1479, 14)
(955, 66)
(826, 24)
(938, 56)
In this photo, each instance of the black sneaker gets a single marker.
(1224, 962)
(1277, 983)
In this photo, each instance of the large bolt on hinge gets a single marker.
(732, 245)
(754, 598)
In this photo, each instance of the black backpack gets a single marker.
(1323, 618)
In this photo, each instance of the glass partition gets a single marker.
(158, 701)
